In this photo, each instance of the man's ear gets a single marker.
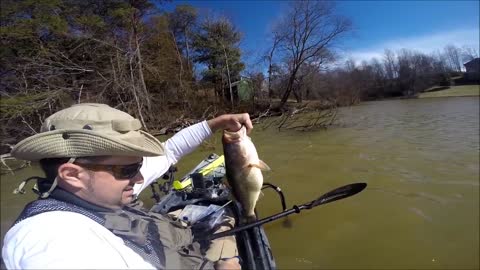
(73, 175)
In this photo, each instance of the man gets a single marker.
(96, 161)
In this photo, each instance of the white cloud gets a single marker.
(426, 44)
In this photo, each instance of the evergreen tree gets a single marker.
(217, 47)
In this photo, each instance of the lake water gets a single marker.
(420, 158)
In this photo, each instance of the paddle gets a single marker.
(336, 194)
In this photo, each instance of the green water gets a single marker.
(420, 210)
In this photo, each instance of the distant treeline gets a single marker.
(397, 74)
(164, 66)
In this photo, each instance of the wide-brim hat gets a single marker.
(88, 129)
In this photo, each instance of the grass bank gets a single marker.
(454, 91)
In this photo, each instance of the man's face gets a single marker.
(109, 181)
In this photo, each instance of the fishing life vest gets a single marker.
(156, 238)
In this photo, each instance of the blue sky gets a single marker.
(377, 25)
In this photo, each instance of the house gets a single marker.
(242, 90)
(472, 72)
(473, 65)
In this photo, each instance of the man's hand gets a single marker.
(228, 264)
(231, 122)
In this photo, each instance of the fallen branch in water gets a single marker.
(8, 156)
(301, 118)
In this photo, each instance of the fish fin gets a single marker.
(261, 165)
(265, 166)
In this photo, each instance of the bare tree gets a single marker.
(307, 33)
(439, 62)
(378, 71)
(391, 68)
(269, 58)
(453, 55)
(469, 53)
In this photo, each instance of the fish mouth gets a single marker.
(234, 136)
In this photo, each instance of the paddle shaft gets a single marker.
(337, 194)
(295, 209)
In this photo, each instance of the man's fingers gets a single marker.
(231, 122)
(228, 264)
(245, 120)
(235, 126)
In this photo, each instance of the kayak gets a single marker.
(201, 197)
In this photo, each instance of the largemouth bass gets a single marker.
(243, 169)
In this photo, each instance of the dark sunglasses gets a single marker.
(119, 171)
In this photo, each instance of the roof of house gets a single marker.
(474, 62)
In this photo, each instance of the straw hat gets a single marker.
(88, 129)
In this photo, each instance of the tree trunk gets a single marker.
(297, 95)
(270, 90)
(223, 89)
(187, 48)
(138, 55)
(276, 41)
(228, 76)
(139, 61)
(289, 89)
(137, 100)
(181, 94)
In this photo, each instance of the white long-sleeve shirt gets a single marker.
(67, 240)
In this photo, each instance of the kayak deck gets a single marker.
(252, 244)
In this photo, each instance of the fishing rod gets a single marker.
(334, 195)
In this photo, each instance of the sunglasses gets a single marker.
(119, 171)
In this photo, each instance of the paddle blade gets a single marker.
(338, 194)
